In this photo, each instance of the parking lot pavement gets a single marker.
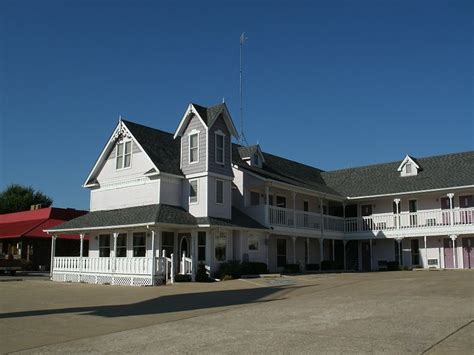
(395, 312)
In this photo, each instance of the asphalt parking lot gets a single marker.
(391, 312)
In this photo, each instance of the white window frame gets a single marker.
(122, 246)
(217, 202)
(123, 167)
(193, 133)
(99, 247)
(139, 245)
(197, 192)
(219, 133)
(257, 241)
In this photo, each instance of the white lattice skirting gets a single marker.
(108, 279)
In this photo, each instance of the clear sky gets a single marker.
(332, 84)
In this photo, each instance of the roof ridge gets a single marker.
(142, 125)
(398, 161)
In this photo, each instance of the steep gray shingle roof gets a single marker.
(437, 172)
(248, 151)
(208, 113)
(160, 146)
(286, 171)
(157, 213)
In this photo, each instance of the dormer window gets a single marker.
(220, 150)
(193, 148)
(256, 160)
(124, 155)
(409, 167)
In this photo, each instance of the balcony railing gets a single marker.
(387, 221)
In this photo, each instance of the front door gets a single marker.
(281, 252)
(366, 211)
(184, 244)
(366, 256)
(466, 202)
(448, 253)
(468, 252)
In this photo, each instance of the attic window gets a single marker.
(124, 155)
(408, 168)
(256, 160)
(220, 140)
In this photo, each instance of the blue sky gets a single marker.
(332, 84)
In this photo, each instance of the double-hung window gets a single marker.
(220, 192)
(168, 243)
(124, 155)
(121, 251)
(220, 143)
(253, 243)
(139, 244)
(201, 246)
(194, 148)
(193, 191)
(104, 245)
(220, 248)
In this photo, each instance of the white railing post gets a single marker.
(53, 252)
(397, 213)
(450, 196)
(453, 238)
(153, 258)
(183, 261)
(81, 236)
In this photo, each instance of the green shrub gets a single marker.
(201, 274)
(182, 278)
(328, 265)
(393, 266)
(292, 268)
(253, 268)
(312, 267)
(231, 268)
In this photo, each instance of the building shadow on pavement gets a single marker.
(169, 303)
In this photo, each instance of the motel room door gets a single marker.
(281, 252)
(366, 256)
(448, 253)
(468, 252)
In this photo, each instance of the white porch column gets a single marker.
(81, 252)
(53, 253)
(194, 254)
(307, 251)
(333, 251)
(294, 249)
(397, 211)
(371, 255)
(426, 252)
(451, 195)
(267, 246)
(159, 242)
(453, 238)
(114, 255)
(294, 209)
(153, 258)
(344, 242)
(321, 215)
(400, 251)
(267, 205)
(321, 250)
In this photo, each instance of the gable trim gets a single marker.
(406, 160)
(191, 110)
(228, 121)
(112, 140)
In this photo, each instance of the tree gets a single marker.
(17, 198)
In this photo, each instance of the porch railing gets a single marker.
(386, 221)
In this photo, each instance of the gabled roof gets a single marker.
(246, 152)
(207, 115)
(439, 172)
(160, 146)
(406, 160)
(286, 171)
(150, 214)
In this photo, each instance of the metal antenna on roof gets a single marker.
(242, 139)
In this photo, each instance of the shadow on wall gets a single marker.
(169, 304)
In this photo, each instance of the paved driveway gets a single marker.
(396, 312)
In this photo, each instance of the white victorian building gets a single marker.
(161, 203)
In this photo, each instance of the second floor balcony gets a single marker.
(273, 216)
